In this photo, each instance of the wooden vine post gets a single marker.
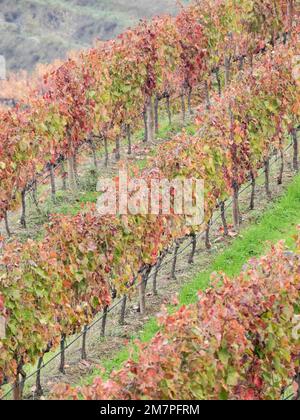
(168, 104)
(295, 150)
(64, 176)
(207, 236)
(235, 184)
(23, 214)
(253, 187)
(118, 153)
(267, 178)
(93, 149)
(174, 264)
(156, 114)
(83, 347)
(236, 208)
(207, 95)
(281, 170)
(34, 195)
(38, 385)
(62, 354)
(106, 159)
(52, 182)
(128, 129)
(190, 93)
(142, 289)
(76, 168)
(223, 217)
(145, 139)
(72, 173)
(104, 321)
(7, 224)
(156, 272)
(194, 247)
(183, 108)
(218, 79)
(149, 120)
(227, 70)
(123, 310)
(18, 388)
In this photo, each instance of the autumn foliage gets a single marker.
(238, 342)
(98, 91)
(63, 280)
(54, 287)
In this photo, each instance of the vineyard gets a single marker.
(229, 66)
(226, 356)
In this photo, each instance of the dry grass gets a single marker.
(33, 31)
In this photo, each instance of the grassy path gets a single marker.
(279, 222)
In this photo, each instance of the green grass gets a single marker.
(279, 222)
(74, 206)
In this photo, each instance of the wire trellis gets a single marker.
(111, 309)
(45, 174)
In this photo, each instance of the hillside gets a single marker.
(131, 173)
(33, 31)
